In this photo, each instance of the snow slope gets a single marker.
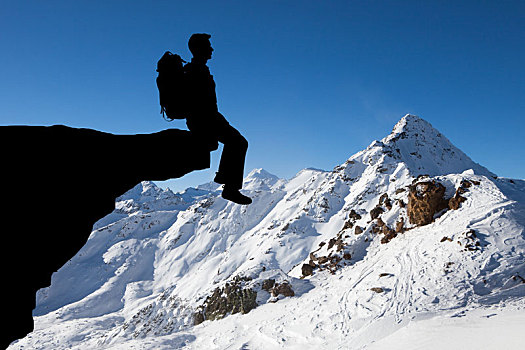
(151, 265)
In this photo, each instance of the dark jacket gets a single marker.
(203, 114)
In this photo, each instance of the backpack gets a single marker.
(171, 85)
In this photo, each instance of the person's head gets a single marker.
(200, 46)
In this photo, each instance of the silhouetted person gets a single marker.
(205, 121)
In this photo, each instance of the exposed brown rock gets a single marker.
(425, 199)
(347, 256)
(335, 259)
(307, 270)
(333, 265)
(461, 190)
(268, 284)
(384, 200)
(353, 215)
(374, 213)
(231, 299)
(400, 225)
(455, 202)
(358, 230)
(470, 241)
(198, 318)
(389, 235)
(377, 289)
(283, 289)
(471, 234)
(348, 224)
(466, 183)
(322, 259)
(386, 230)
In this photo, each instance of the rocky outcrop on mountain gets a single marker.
(70, 179)
(388, 233)
(456, 201)
(308, 269)
(400, 225)
(268, 284)
(425, 200)
(469, 241)
(283, 289)
(233, 298)
(239, 295)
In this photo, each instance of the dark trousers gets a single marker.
(231, 166)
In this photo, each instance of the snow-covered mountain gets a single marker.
(408, 232)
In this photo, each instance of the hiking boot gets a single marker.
(235, 196)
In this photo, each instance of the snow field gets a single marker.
(148, 265)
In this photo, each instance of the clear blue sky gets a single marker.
(309, 83)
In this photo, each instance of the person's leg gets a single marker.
(231, 166)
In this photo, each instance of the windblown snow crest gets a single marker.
(409, 227)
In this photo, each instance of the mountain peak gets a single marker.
(422, 148)
(260, 173)
(412, 125)
(141, 190)
(259, 178)
(147, 196)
